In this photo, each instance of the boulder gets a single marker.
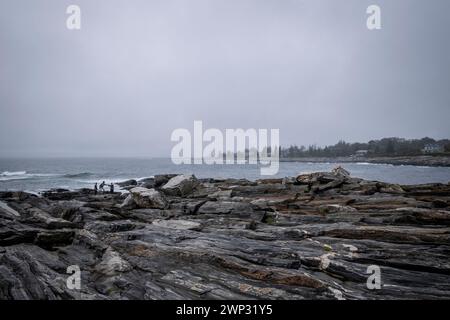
(54, 238)
(162, 179)
(288, 180)
(146, 183)
(322, 181)
(7, 209)
(148, 198)
(180, 185)
(336, 177)
(339, 171)
(128, 203)
(390, 188)
(308, 178)
(43, 219)
(112, 263)
(127, 183)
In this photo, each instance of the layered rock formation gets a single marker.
(309, 237)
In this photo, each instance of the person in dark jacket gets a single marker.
(102, 186)
(111, 188)
(95, 188)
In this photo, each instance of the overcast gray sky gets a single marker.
(139, 69)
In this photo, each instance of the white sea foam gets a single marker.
(20, 175)
(12, 173)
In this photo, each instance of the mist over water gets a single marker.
(43, 174)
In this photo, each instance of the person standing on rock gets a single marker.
(102, 186)
(111, 188)
(95, 188)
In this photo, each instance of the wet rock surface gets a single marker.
(307, 237)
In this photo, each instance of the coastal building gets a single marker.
(432, 148)
(361, 153)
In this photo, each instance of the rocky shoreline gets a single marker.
(425, 161)
(177, 237)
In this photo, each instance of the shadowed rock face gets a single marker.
(311, 237)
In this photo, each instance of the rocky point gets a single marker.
(178, 237)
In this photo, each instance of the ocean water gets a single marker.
(43, 174)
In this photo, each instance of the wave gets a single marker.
(20, 175)
(12, 173)
(78, 175)
(82, 177)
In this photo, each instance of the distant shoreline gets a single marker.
(428, 161)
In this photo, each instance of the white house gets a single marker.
(361, 153)
(432, 148)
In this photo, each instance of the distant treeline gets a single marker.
(383, 147)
